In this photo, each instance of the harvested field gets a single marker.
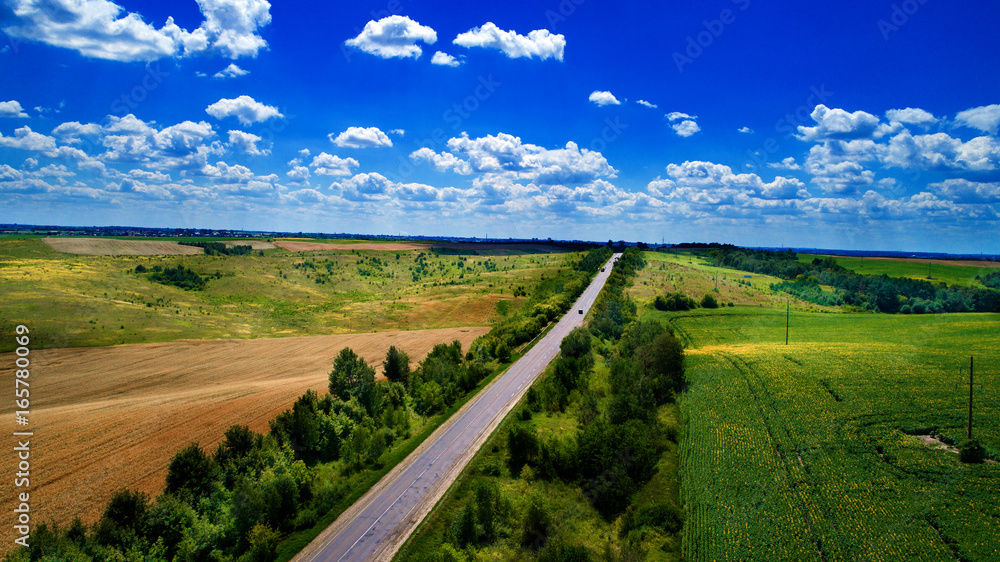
(113, 417)
(305, 246)
(301, 246)
(111, 247)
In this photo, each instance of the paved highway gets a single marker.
(378, 524)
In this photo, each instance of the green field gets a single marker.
(810, 451)
(951, 274)
(74, 300)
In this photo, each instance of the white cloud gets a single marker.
(9, 174)
(539, 43)
(911, 116)
(26, 139)
(329, 165)
(603, 98)
(986, 118)
(745, 130)
(73, 131)
(686, 128)
(298, 174)
(968, 192)
(397, 132)
(837, 124)
(12, 109)
(359, 137)
(244, 108)
(97, 29)
(246, 143)
(393, 37)
(786, 164)
(647, 104)
(231, 71)
(444, 59)
(941, 151)
(675, 115)
(506, 155)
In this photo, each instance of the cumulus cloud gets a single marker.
(539, 43)
(329, 165)
(244, 108)
(393, 37)
(12, 109)
(246, 143)
(9, 174)
(911, 116)
(603, 98)
(837, 124)
(986, 118)
(98, 29)
(507, 155)
(968, 192)
(676, 115)
(942, 151)
(360, 137)
(444, 59)
(26, 139)
(231, 71)
(745, 130)
(74, 131)
(786, 164)
(686, 128)
(645, 103)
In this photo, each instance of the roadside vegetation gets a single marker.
(261, 497)
(585, 468)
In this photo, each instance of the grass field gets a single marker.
(938, 271)
(811, 451)
(78, 300)
(694, 276)
(113, 417)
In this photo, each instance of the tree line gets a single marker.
(879, 293)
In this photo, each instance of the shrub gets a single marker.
(971, 451)
(709, 302)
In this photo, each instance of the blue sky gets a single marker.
(856, 124)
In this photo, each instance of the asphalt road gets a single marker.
(378, 524)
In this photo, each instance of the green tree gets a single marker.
(709, 302)
(353, 376)
(537, 524)
(577, 343)
(522, 445)
(191, 473)
(397, 365)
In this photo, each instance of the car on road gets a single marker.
(580, 311)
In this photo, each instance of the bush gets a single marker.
(674, 302)
(971, 451)
(709, 302)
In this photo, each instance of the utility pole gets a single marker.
(970, 397)
(788, 317)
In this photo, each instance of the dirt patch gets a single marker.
(111, 247)
(935, 443)
(113, 417)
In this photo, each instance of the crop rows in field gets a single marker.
(803, 451)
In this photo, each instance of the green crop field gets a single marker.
(928, 270)
(813, 451)
(77, 300)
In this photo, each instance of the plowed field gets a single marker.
(112, 417)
